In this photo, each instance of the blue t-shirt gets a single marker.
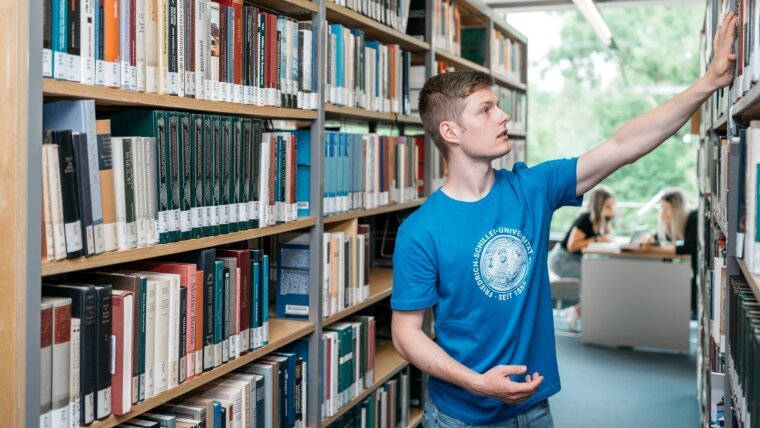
(482, 266)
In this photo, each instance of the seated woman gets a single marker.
(593, 225)
(677, 225)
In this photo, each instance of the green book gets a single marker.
(175, 158)
(238, 155)
(245, 176)
(208, 174)
(216, 165)
(474, 44)
(197, 177)
(185, 175)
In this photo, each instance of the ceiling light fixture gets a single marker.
(592, 15)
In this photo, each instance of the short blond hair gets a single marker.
(442, 99)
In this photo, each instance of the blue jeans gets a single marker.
(538, 416)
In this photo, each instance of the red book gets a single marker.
(199, 324)
(188, 277)
(243, 258)
(122, 307)
(271, 53)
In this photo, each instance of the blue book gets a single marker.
(340, 81)
(292, 298)
(60, 47)
(256, 301)
(265, 299)
(218, 310)
(303, 172)
(291, 360)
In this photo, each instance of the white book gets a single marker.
(181, 47)
(87, 41)
(47, 210)
(162, 340)
(74, 403)
(56, 201)
(162, 29)
(248, 380)
(47, 71)
(267, 372)
(151, 42)
(117, 156)
(231, 394)
(266, 144)
(140, 45)
(150, 336)
(201, 47)
(151, 194)
(125, 44)
(138, 148)
(212, 71)
(61, 368)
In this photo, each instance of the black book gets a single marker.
(72, 219)
(103, 351)
(75, 27)
(173, 49)
(256, 171)
(204, 260)
(83, 184)
(84, 307)
(182, 357)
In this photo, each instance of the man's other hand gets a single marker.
(497, 384)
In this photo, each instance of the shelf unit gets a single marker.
(23, 88)
(720, 220)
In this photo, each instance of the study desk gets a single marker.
(636, 299)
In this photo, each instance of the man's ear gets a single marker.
(449, 131)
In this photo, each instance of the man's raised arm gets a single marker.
(644, 133)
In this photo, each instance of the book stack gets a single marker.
(367, 171)
(145, 177)
(447, 34)
(349, 356)
(744, 325)
(393, 13)
(128, 335)
(386, 407)
(220, 51)
(366, 74)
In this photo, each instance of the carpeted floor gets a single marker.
(621, 388)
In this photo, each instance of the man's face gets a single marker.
(484, 126)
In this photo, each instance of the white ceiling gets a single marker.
(511, 6)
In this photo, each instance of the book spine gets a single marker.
(74, 373)
(174, 167)
(130, 221)
(70, 194)
(103, 352)
(46, 364)
(197, 215)
(186, 174)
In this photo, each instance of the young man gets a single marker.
(476, 250)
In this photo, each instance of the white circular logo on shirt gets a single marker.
(501, 263)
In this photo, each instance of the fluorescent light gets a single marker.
(592, 15)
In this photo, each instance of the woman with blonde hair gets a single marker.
(592, 225)
(677, 233)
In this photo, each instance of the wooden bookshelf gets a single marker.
(380, 287)
(749, 104)
(752, 279)
(387, 363)
(290, 6)
(333, 218)
(373, 29)
(124, 256)
(509, 82)
(459, 63)
(415, 417)
(119, 97)
(281, 333)
(332, 110)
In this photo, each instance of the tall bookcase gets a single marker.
(727, 225)
(24, 89)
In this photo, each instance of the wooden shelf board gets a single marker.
(721, 124)
(119, 97)
(115, 257)
(281, 333)
(290, 6)
(374, 211)
(752, 279)
(380, 287)
(373, 29)
(332, 110)
(509, 82)
(459, 63)
(749, 104)
(387, 363)
(415, 417)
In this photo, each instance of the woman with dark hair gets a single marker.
(593, 225)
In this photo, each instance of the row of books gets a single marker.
(365, 74)
(393, 13)
(367, 171)
(506, 55)
(128, 335)
(345, 277)
(349, 362)
(744, 328)
(386, 407)
(747, 47)
(716, 313)
(515, 104)
(447, 31)
(150, 176)
(214, 50)
(270, 392)
(750, 139)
